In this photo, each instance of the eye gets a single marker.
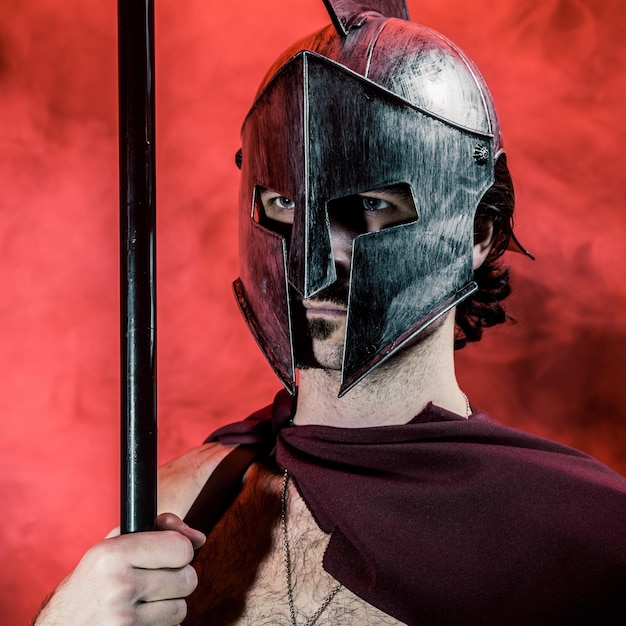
(374, 204)
(384, 207)
(285, 204)
(276, 208)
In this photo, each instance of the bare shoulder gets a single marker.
(181, 479)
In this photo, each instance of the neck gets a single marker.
(393, 393)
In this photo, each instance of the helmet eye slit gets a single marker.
(273, 211)
(374, 210)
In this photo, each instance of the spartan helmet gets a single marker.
(371, 102)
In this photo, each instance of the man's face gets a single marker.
(320, 321)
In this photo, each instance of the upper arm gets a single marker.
(181, 479)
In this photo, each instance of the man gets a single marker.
(375, 204)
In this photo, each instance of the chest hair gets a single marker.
(241, 568)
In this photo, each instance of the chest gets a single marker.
(242, 569)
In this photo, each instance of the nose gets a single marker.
(347, 220)
(341, 239)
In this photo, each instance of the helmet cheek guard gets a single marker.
(318, 132)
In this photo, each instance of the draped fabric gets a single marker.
(446, 521)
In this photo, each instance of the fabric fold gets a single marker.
(445, 520)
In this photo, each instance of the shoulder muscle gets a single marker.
(181, 479)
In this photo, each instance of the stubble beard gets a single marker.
(326, 341)
(319, 342)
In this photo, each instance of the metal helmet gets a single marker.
(370, 102)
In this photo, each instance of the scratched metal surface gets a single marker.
(376, 131)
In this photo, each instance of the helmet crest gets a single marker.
(345, 12)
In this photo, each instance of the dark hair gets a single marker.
(483, 308)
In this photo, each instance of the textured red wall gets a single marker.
(556, 71)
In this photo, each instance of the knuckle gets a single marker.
(117, 581)
(102, 557)
(177, 611)
(183, 547)
(191, 579)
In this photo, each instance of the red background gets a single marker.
(556, 69)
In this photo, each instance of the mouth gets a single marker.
(324, 308)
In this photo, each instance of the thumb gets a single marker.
(169, 521)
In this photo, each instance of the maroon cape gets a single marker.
(451, 521)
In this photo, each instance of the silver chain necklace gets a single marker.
(287, 551)
(287, 558)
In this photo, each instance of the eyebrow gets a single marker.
(401, 190)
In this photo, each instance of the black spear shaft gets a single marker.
(137, 264)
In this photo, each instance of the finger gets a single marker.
(114, 532)
(161, 613)
(146, 550)
(169, 521)
(156, 585)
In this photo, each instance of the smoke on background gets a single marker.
(556, 72)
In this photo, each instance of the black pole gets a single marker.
(137, 264)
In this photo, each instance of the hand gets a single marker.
(136, 579)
